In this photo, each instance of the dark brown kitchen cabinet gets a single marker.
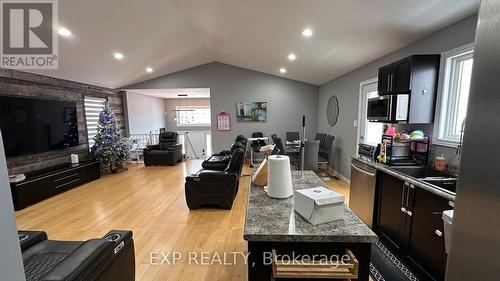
(416, 76)
(385, 75)
(391, 221)
(409, 221)
(426, 248)
(402, 76)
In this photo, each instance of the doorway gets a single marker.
(186, 111)
(368, 132)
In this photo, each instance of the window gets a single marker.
(455, 80)
(93, 107)
(193, 115)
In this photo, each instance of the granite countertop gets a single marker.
(449, 195)
(274, 220)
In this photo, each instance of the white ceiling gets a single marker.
(171, 35)
(193, 93)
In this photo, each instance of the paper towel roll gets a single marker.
(74, 158)
(280, 177)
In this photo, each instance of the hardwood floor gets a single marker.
(150, 202)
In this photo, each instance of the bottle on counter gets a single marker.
(440, 163)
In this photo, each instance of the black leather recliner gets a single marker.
(166, 152)
(220, 161)
(217, 188)
(106, 259)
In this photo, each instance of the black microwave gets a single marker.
(388, 109)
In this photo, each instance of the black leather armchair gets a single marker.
(106, 259)
(217, 188)
(166, 152)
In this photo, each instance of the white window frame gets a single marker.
(442, 114)
(179, 110)
(92, 107)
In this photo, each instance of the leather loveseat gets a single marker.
(220, 161)
(106, 259)
(166, 152)
(213, 187)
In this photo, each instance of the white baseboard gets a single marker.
(341, 177)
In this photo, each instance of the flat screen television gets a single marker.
(34, 125)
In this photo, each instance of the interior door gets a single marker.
(369, 132)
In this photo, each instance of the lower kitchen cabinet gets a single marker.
(409, 221)
(426, 248)
(391, 221)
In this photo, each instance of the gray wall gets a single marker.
(144, 113)
(11, 263)
(346, 87)
(170, 105)
(287, 99)
(475, 245)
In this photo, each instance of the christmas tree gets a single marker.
(110, 148)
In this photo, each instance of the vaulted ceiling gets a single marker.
(172, 35)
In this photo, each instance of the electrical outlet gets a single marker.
(355, 123)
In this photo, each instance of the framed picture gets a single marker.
(251, 111)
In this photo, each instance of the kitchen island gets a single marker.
(272, 224)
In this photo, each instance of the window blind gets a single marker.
(93, 107)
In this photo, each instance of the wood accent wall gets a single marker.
(17, 83)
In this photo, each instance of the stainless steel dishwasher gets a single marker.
(362, 191)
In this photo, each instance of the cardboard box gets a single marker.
(319, 205)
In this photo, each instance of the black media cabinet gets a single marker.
(48, 182)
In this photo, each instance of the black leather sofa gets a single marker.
(215, 187)
(106, 259)
(219, 161)
(166, 152)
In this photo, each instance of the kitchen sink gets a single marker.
(430, 176)
(421, 172)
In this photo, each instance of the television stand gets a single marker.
(45, 183)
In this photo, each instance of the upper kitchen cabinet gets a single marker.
(416, 76)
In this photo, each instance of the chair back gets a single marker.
(311, 149)
(167, 139)
(321, 138)
(279, 148)
(235, 146)
(241, 139)
(257, 143)
(292, 136)
(236, 163)
(328, 143)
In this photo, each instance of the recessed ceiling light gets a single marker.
(282, 70)
(307, 32)
(64, 32)
(291, 57)
(149, 70)
(118, 56)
